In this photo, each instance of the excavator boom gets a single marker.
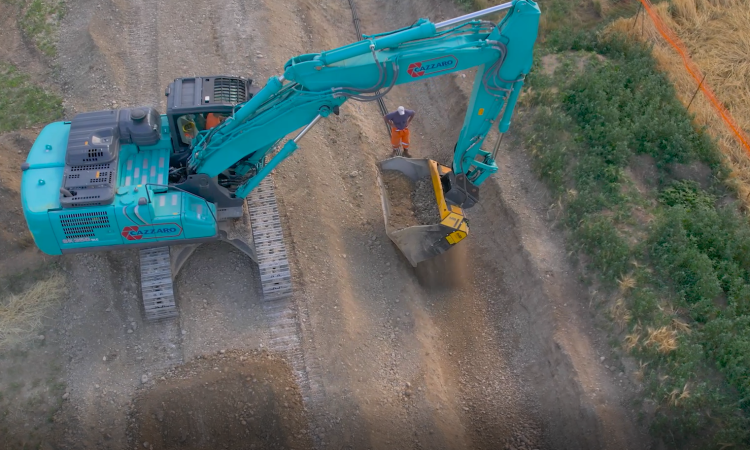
(317, 84)
(136, 178)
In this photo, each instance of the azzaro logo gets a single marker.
(136, 233)
(430, 66)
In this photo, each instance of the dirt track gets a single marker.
(489, 347)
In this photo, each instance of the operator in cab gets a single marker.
(399, 121)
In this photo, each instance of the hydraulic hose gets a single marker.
(355, 19)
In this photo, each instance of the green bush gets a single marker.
(625, 106)
(597, 237)
(693, 259)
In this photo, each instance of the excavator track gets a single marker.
(285, 311)
(156, 283)
(268, 237)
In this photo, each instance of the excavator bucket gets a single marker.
(417, 237)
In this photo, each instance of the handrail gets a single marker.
(474, 15)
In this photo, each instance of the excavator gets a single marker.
(133, 178)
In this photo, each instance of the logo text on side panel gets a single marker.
(430, 66)
(139, 232)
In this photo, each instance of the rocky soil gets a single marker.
(425, 205)
(237, 400)
(399, 189)
(491, 346)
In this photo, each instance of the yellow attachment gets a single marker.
(421, 242)
(455, 221)
(455, 237)
(438, 188)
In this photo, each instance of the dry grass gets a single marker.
(620, 314)
(717, 36)
(664, 339)
(626, 283)
(676, 396)
(680, 326)
(638, 374)
(22, 314)
(602, 7)
(631, 340)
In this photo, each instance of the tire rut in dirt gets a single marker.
(282, 310)
(142, 53)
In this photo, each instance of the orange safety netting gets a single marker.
(695, 72)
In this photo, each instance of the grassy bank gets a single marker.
(651, 213)
(23, 103)
(641, 191)
(715, 34)
(38, 21)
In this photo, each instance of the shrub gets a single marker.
(687, 313)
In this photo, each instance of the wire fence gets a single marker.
(695, 72)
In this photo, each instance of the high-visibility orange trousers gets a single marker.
(399, 138)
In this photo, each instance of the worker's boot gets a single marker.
(394, 153)
(406, 153)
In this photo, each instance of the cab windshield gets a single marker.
(189, 125)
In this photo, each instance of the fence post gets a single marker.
(696, 92)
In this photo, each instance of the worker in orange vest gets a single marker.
(213, 119)
(399, 121)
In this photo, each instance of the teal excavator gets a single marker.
(164, 183)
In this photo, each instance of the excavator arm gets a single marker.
(134, 178)
(315, 85)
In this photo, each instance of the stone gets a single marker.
(144, 378)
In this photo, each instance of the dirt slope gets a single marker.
(235, 400)
(506, 353)
(490, 347)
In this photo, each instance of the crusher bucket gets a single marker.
(435, 224)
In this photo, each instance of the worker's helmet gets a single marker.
(401, 110)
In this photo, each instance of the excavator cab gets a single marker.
(420, 218)
(196, 104)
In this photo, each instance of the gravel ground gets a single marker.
(490, 347)
(425, 204)
(400, 191)
(237, 400)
